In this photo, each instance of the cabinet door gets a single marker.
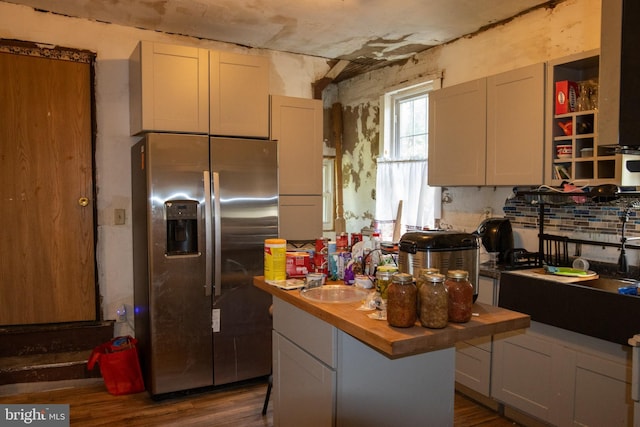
(239, 97)
(304, 388)
(598, 391)
(296, 123)
(524, 375)
(169, 89)
(515, 127)
(457, 132)
(473, 365)
(300, 217)
(486, 290)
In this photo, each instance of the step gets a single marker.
(26, 340)
(46, 367)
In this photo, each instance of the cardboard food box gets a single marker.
(566, 96)
(298, 264)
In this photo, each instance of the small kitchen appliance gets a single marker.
(444, 250)
(497, 236)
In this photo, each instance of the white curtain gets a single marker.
(406, 180)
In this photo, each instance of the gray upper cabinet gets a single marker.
(488, 131)
(515, 127)
(457, 129)
(169, 89)
(190, 90)
(239, 98)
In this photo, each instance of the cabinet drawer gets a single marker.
(308, 332)
(473, 367)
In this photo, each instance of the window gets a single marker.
(401, 184)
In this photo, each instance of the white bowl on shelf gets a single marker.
(564, 151)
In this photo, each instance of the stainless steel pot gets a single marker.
(444, 250)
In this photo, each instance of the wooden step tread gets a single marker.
(43, 361)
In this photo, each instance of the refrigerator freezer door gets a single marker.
(173, 312)
(247, 195)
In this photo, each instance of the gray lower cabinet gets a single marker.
(557, 376)
(302, 384)
(562, 378)
(473, 357)
(322, 376)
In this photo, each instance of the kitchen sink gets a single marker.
(334, 294)
(590, 307)
(607, 284)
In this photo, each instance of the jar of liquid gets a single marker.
(434, 302)
(384, 273)
(460, 292)
(401, 301)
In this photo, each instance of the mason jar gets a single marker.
(384, 275)
(460, 292)
(402, 295)
(434, 302)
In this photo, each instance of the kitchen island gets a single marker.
(334, 365)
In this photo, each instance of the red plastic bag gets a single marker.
(119, 365)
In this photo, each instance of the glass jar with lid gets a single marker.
(384, 273)
(460, 292)
(423, 272)
(434, 302)
(401, 301)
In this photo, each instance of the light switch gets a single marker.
(118, 216)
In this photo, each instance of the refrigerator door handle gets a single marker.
(217, 282)
(207, 233)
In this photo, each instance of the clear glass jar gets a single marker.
(422, 273)
(460, 292)
(434, 302)
(401, 301)
(384, 273)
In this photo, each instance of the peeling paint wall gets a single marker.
(572, 26)
(291, 75)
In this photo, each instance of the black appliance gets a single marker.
(444, 250)
(497, 236)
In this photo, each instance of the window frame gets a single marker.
(388, 102)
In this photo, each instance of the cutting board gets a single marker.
(540, 273)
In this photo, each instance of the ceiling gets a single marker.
(355, 35)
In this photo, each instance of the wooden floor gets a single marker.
(92, 405)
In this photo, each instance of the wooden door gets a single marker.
(47, 262)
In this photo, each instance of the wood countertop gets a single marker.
(399, 342)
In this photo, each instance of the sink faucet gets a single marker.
(623, 266)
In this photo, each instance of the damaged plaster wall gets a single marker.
(290, 75)
(572, 26)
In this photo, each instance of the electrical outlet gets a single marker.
(121, 313)
(487, 212)
(119, 217)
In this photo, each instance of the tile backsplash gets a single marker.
(587, 217)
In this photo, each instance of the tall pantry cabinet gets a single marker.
(296, 123)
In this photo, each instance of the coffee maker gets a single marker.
(497, 236)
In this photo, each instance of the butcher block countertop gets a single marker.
(399, 342)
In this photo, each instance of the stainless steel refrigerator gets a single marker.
(201, 210)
